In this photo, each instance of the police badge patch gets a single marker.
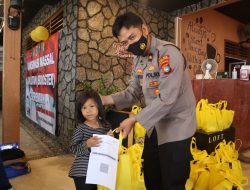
(139, 71)
(142, 46)
(156, 91)
(164, 64)
(164, 60)
(153, 84)
(151, 67)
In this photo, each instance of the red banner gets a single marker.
(41, 83)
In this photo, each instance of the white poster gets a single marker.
(103, 160)
(41, 83)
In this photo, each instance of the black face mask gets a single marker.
(139, 47)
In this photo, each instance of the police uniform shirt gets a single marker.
(170, 103)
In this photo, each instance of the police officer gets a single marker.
(160, 74)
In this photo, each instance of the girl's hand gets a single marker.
(110, 133)
(93, 142)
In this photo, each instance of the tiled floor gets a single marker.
(246, 169)
(46, 174)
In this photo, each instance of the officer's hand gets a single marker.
(126, 126)
(107, 100)
(103, 98)
(110, 133)
(121, 50)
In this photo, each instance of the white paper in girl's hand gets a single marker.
(103, 160)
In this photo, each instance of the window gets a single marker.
(236, 50)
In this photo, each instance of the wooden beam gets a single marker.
(178, 22)
(11, 81)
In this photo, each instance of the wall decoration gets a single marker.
(203, 36)
(40, 33)
(198, 43)
(41, 83)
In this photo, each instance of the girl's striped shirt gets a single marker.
(79, 148)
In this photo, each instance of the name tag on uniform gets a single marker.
(154, 75)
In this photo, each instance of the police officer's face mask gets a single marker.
(138, 48)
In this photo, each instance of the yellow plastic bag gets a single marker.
(139, 130)
(99, 187)
(135, 152)
(221, 170)
(206, 116)
(218, 115)
(124, 172)
(199, 173)
(213, 117)
(230, 167)
(202, 181)
(226, 152)
(129, 169)
(198, 155)
(129, 173)
(227, 115)
(223, 185)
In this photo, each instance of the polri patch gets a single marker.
(165, 65)
(164, 60)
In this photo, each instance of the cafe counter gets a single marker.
(237, 94)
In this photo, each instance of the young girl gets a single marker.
(91, 120)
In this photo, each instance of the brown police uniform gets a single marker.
(163, 79)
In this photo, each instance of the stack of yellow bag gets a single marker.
(221, 170)
(213, 117)
(129, 171)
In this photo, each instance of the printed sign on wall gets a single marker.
(41, 83)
